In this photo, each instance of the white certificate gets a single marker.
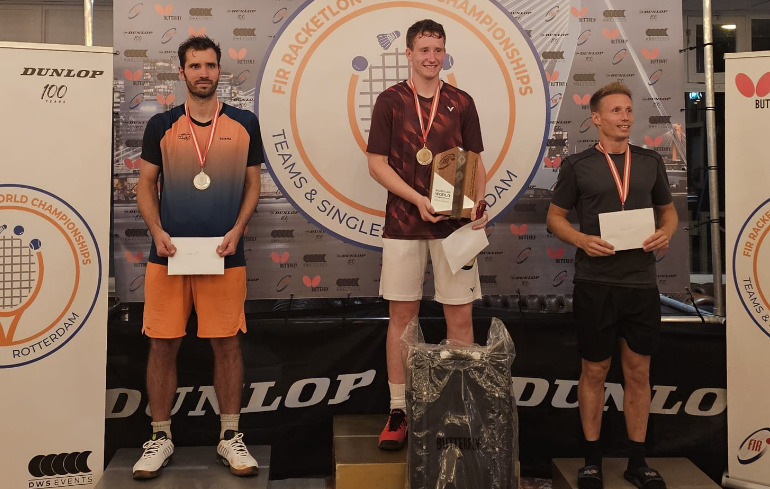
(463, 245)
(627, 230)
(196, 256)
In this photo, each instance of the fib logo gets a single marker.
(51, 272)
(313, 73)
(754, 446)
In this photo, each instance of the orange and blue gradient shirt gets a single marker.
(186, 211)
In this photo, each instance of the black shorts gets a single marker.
(604, 313)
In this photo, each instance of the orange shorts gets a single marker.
(218, 300)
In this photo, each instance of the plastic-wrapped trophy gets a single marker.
(463, 427)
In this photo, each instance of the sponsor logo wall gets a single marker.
(747, 208)
(530, 66)
(54, 229)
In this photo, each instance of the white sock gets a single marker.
(164, 426)
(229, 422)
(397, 396)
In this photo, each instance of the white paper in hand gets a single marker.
(627, 230)
(196, 256)
(463, 245)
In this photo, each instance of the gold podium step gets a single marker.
(679, 473)
(358, 462)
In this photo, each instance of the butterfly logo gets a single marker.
(279, 258)
(582, 100)
(555, 253)
(133, 76)
(552, 163)
(137, 257)
(311, 282)
(161, 10)
(649, 141)
(131, 164)
(611, 34)
(745, 85)
(579, 13)
(519, 230)
(553, 76)
(199, 32)
(240, 54)
(650, 54)
(167, 99)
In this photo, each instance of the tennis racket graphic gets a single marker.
(21, 268)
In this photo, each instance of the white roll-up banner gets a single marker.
(55, 177)
(747, 218)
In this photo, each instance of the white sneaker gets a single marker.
(157, 454)
(232, 452)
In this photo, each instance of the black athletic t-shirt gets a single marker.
(585, 182)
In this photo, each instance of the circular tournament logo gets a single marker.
(51, 273)
(751, 260)
(330, 61)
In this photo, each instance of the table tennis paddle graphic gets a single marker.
(21, 269)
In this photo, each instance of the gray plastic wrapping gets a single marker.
(463, 426)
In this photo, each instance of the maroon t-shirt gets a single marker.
(395, 133)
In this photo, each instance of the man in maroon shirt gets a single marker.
(412, 121)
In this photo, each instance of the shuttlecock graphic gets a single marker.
(386, 40)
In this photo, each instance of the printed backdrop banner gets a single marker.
(300, 373)
(747, 217)
(54, 235)
(312, 71)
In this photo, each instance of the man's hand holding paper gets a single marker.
(627, 230)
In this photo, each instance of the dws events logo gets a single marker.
(313, 75)
(51, 272)
(754, 446)
(751, 262)
(60, 470)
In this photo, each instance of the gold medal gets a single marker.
(201, 181)
(424, 156)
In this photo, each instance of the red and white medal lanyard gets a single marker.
(623, 186)
(433, 110)
(214, 119)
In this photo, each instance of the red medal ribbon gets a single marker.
(433, 110)
(214, 119)
(625, 185)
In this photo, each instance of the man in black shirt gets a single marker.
(615, 293)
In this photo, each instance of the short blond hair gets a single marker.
(609, 89)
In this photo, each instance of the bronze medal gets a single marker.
(201, 181)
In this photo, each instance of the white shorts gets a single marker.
(403, 273)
